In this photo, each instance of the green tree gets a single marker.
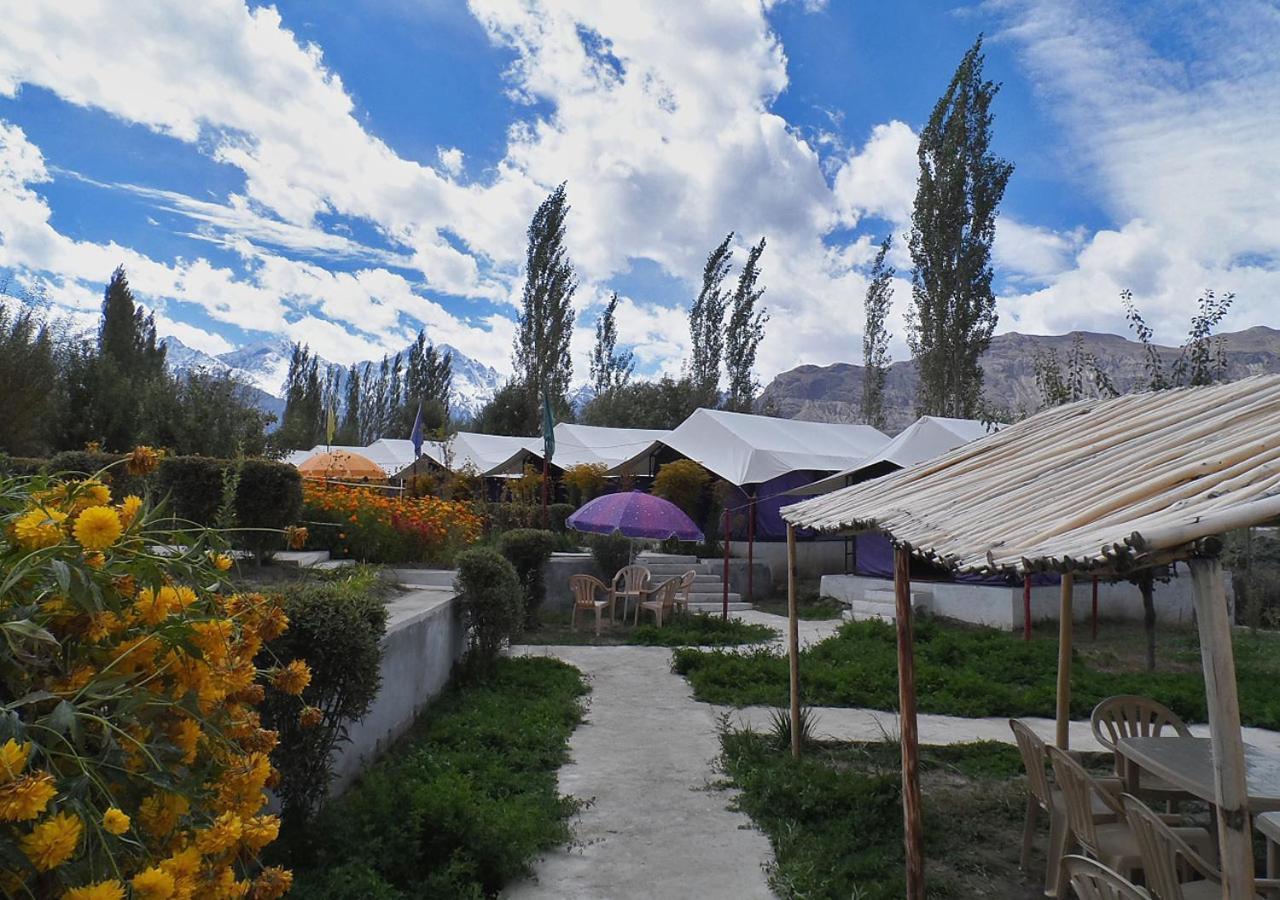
(302, 425)
(209, 414)
(1202, 358)
(509, 411)
(961, 183)
(541, 357)
(1082, 377)
(875, 337)
(428, 378)
(29, 378)
(663, 403)
(348, 431)
(706, 323)
(744, 333)
(609, 368)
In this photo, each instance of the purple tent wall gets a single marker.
(770, 498)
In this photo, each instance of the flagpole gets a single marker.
(546, 470)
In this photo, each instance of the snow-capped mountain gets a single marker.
(265, 365)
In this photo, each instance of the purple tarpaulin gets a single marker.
(636, 515)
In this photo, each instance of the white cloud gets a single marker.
(451, 159)
(880, 179)
(194, 337)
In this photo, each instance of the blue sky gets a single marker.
(344, 174)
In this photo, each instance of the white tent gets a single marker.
(927, 437)
(745, 449)
(585, 444)
(473, 451)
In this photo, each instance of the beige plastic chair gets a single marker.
(684, 590)
(1173, 869)
(1043, 796)
(1090, 880)
(586, 590)
(1130, 715)
(630, 583)
(1114, 844)
(663, 600)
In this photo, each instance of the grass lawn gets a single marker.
(968, 671)
(694, 630)
(463, 804)
(835, 817)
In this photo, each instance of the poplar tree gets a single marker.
(609, 368)
(428, 379)
(541, 357)
(875, 337)
(961, 182)
(744, 333)
(302, 424)
(706, 324)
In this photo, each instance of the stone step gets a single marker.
(875, 609)
(919, 599)
(716, 607)
(712, 596)
(300, 559)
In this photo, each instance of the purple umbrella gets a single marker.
(635, 515)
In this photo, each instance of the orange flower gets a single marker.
(143, 461)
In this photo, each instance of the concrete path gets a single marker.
(643, 758)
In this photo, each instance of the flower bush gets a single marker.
(131, 755)
(363, 523)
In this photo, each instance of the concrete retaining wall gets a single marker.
(1001, 607)
(812, 558)
(423, 641)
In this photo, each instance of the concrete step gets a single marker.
(919, 599)
(426, 577)
(645, 558)
(300, 559)
(664, 572)
(329, 565)
(712, 596)
(875, 609)
(717, 607)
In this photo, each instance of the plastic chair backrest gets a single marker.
(1078, 788)
(584, 588)
(1031, 747)
(1091, 880)
(633, 578)
(1130, 715)
(686, 583)
(1162, 852)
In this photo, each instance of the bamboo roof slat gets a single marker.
(1096, 484)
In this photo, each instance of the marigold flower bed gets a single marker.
(363, 523)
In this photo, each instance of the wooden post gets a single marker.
(1235, 842)
(1064, 663)
(912, 823)
(1093, 615)
(751, 546)
(1026, 607)
(725, 580)
(793, 640)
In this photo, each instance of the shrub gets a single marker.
(557, 513)
(137, 736)
(336, 624)
(268, 496)
(193, 485)
(528, 549)
(611, 552)
(21, 465)
(363, 523)
(87, 462)
(527, 489)
(682, 482)
(585, 481)
(492, 607)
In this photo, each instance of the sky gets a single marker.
(344, 174)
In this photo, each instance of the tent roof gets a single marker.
(341, 463)
(925, 438)
(745, 449)
(594, 444)
(1102, 484)
(383, 456)
(483, 452)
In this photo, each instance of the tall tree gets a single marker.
(609, 368)
(349, 427)
(29, 374)
(302, 425)
(428, 379)
(541, 358)
(744, 333)
(875, 337)
(127, 332)
(961, 182)
(706, 323)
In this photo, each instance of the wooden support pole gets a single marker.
(912, 821)
(1026, 607)
(1094, 612)
(793, 640)
(1064, 663)
(724, 581)
(1235, 842)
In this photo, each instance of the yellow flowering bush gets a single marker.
(133, 761)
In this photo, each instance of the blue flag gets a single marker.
(416, 434)
(548, 428)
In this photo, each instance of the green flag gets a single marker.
(548, 428)
(330, 424)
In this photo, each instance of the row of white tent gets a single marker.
(740, 448)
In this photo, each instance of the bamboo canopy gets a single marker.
(1098, 484)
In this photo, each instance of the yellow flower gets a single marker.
(260, 831)
(52, 842)
(129, 508)
(143, 461)
(92, 493)
(13, 759)
(293, 678)
(103, 890)
(221, 836)
(94, 560)
(159, 813)
(310, 717)
(185, 735)
(153, 884)
(40, 527)
(272, 882)
(115, 821)
(26, 798)
(221, 562)
(98, 527)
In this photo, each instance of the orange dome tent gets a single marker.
(343, 465)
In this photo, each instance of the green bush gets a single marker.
(700, 629)
(557, 513)
(269, 497)
(193, 485)
(21, 466)
(528, 549)
(507, 516)
(611, 552)
(468, 801)
(87, 462)
(492, 606)
(336, 624)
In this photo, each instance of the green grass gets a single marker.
(696, 630)
(834, 817)
(464, 804)
(967, 671)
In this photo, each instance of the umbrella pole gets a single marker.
(724, 581)
(751, 546)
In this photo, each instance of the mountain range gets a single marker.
(834, 393)
(265, 364)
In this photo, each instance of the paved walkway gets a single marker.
(644, 759)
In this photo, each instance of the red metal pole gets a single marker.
(725, 579)
(546, 473)
(751, 546)
(1095, 607)
(1026, 607)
